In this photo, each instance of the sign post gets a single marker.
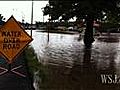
(13, 39)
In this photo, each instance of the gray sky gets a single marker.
(22, 10)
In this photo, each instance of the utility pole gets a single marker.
(43, 15)
(31, 19)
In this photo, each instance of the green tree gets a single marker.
(1, 19)
(89, 10)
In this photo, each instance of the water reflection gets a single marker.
(83, 76)
(69, 66)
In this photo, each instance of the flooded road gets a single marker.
(69, 66)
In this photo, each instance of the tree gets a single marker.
(1, 19)
(89, 10)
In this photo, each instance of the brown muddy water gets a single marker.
(69, 66)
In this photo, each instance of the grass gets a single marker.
(59, 32)
(36, 68)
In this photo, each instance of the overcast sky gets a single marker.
(22, 10)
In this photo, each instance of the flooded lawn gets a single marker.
(69, 66)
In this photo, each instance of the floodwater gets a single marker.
(69, 66)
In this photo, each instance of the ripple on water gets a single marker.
(69, 64)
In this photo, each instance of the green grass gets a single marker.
(59, 32)
(32, 60)
(35, 66)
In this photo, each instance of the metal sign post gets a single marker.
(31, 19)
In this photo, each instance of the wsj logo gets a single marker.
(110, 79)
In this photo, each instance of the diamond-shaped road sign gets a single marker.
(13, 39)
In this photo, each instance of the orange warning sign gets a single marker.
(13, 39)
